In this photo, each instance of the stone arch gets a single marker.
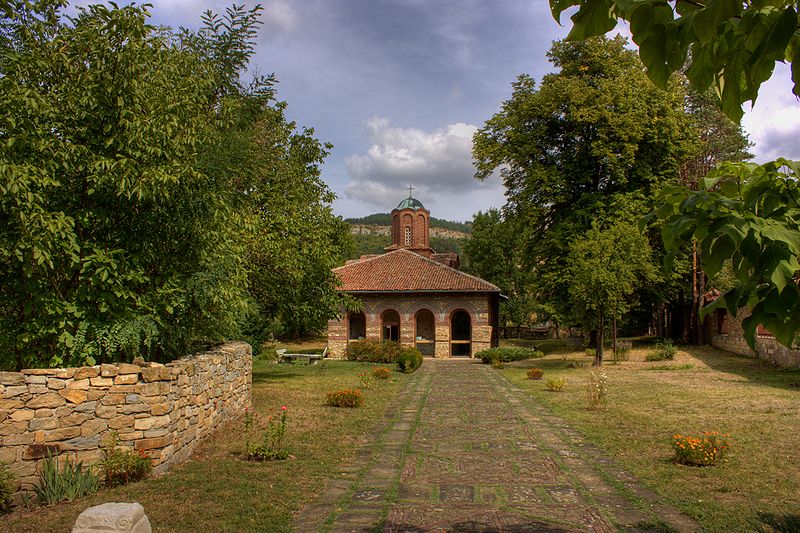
(390, 325)
(425, 331)
(356, 326)
(461, 324)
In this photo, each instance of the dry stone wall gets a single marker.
(767, 347)
(163, 411)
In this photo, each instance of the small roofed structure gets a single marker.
(415, 296)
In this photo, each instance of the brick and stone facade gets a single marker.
(161, 410)
(726, 333)
(415, 296)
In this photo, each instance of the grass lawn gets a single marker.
(217, 491)
(702, 389)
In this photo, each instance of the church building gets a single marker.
(415, 296)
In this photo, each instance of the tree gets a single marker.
(493, 254)
(594, 143)
(606, 266)
(734, 44)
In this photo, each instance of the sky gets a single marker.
(400, 86)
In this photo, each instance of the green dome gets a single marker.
(410, 203)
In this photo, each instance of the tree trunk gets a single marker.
(694, 316)
(598, 351)
(593, 338)
(614, 334)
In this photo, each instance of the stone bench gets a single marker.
(311, 358)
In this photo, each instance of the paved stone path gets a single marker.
(465, 450)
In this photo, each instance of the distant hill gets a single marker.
(385, 219)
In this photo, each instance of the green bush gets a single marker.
(57, 484)
(124, 466)
(7, 487)
(506, 355)
(556, 384)
(409, 360)
(370, 351)
(665, 350)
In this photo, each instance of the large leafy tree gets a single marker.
(730, 44)
(594, 142)
(733, 46)
(134, 165)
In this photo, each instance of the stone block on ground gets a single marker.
(119, 517)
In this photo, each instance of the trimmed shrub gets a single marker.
(506, 355)
(556, 384)
(409, 360)
(344, 398)
(664, 351)
(535, 373)
(7, 487)
(700, 451)
(369, 351)
(382, 372)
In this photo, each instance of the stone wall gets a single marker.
(479, 307)
(161, 410)
(728, 335)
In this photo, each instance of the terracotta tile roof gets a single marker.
(404, 271)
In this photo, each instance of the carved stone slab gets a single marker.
(117, 517)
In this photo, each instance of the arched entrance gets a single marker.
(357, 326)
(460, 334)
(425, 335)
(390, 325)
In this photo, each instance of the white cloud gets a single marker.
(774, 121)
(436, 163)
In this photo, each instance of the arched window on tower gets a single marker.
(408, 236)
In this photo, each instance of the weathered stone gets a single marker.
(78, 384)
(11, 378)
(108, 370)
(38, 436)
(160, 421)
(106, 411)
(73, 396)
(10, 427)
(142, 424)
(101, 382)
(121, 421)
(155, 388)
(64, 373)
(156, 433)
(133, 398)
(50, 399)
(157, 442)
(125, 368)
(95, 394)
(81, 443)
(93, 427)
(116, 517)
(8, 454)
(86, 372)
(40, 451)
(15, 390)
(56, 384)
(37, 388)
(131, 435)
(45, 413)
(158, 373)
(43, 423)
(35, 379)
(159, 409)
(10, 404)
(113, 399)
(134, 408)
(126, 379)
(75, 419)
(85, 407)
(61, 434)
(21, 415)
(16, 440)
